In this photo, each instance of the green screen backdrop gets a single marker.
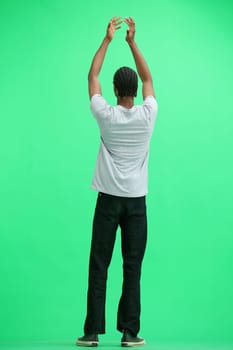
(48, 147)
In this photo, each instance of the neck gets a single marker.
(126, 101)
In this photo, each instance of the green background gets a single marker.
(48, 147)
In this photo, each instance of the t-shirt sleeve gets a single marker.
(99, 107)
(150, 107)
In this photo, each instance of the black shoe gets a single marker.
(88, 340)
(129, 340)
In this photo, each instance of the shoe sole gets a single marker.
(87, 343)
(127, 344)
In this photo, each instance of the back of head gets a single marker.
(126, 82)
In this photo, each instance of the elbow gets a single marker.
(89, 77)
(148, 80)
(92, 76)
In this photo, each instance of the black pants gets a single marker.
(130, 214)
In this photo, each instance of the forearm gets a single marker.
(98, 59)
(142, 67)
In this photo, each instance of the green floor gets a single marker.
(108, 344)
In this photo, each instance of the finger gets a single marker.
(117, 24)
(112, 20)
(117, 21)
(126, 20)
(131, 19)
(129, 23)
(116, 28)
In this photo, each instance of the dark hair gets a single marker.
(126, 82)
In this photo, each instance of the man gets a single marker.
(121, 180)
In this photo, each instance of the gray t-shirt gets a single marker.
(122, 163)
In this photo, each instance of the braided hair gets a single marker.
(126, 82)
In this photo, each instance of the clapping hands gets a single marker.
(115, 24)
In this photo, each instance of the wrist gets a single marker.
(131, 42)
(107, 40)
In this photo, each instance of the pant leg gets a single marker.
(134, 237)
(105, 224)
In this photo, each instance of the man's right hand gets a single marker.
(131, 30)
(142, 68)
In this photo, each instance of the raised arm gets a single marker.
(93, 80)
(142, 67)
